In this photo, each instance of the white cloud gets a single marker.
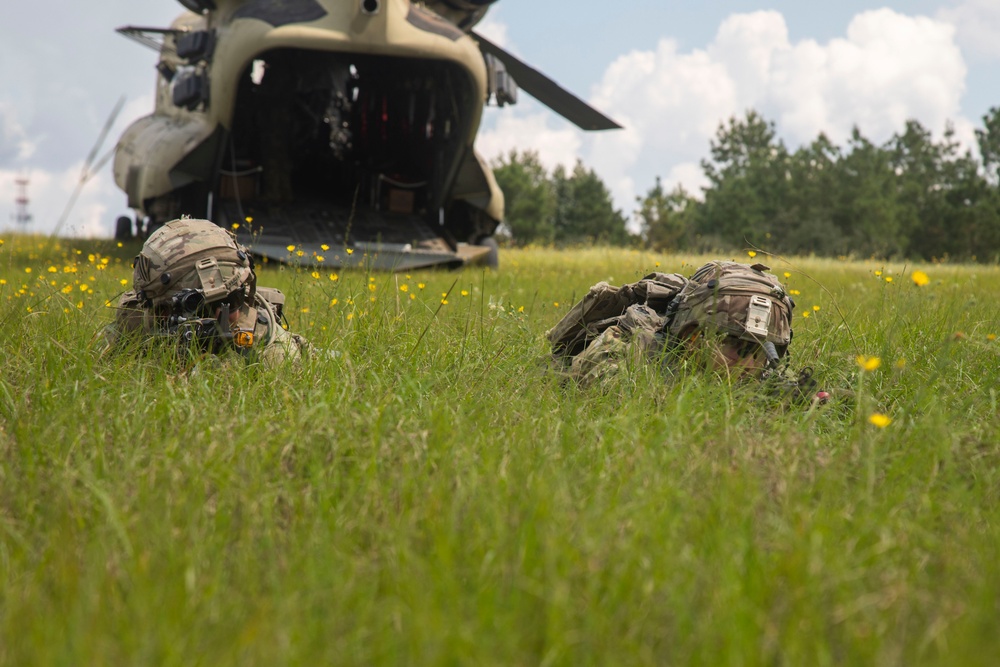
(14, 141)
(555, 146)
(494, 31)
(978, 26)
(886, 69)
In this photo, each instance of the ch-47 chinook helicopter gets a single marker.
(342, 127)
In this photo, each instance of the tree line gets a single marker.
(911, 197)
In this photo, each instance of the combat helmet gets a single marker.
(733, 299)
(193, 256)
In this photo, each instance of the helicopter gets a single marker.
(342, 130)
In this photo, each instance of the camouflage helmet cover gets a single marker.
(191, 253)
(735, 300)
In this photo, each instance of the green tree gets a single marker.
(529, 198)
(806, 220)
(666, 219)
(989, 144)
(748, 175)
(942, 194)
(585, 212)
(865, 209)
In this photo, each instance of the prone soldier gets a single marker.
(738, 317)
(194, 286)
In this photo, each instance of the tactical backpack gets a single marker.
(605, 305)
(728, 298)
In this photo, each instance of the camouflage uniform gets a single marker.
(724, 300)
(193, 283)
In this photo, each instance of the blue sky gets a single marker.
(669, 71)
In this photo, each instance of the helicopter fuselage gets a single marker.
(311, 123)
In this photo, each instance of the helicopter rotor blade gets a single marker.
(104, 133)
(89, 168)
(547, 91)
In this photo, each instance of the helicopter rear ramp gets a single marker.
(314, 233)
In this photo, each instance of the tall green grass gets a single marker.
(433, 494)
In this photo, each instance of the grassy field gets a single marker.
(434, 495)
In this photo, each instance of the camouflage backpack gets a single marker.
(737, 300)
(606, 305)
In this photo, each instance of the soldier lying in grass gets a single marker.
(194, 287)
(737, 317)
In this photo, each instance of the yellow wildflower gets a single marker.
(248, 219)
(805, 314)
(290, 248)
(888, 279)
(315, 275)
(123, 281)
(300, 253)
(236, 226)
(868, 363)
(880, 420)
(444, 302)
(816, 309)
(465, 292)
(334, 302)
(320, 258)
(372, 287)
(878, 274)
(334, 277)
(27, 269)
(421, 285)
(991, 336)
(404, 288)
(787, 274)
(920, 278)
(350, 251)
(521, 309)
(324, 247)
(751, 253)
(794, 292)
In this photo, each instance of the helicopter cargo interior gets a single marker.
(349, 150)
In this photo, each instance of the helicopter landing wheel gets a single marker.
(492, 258)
